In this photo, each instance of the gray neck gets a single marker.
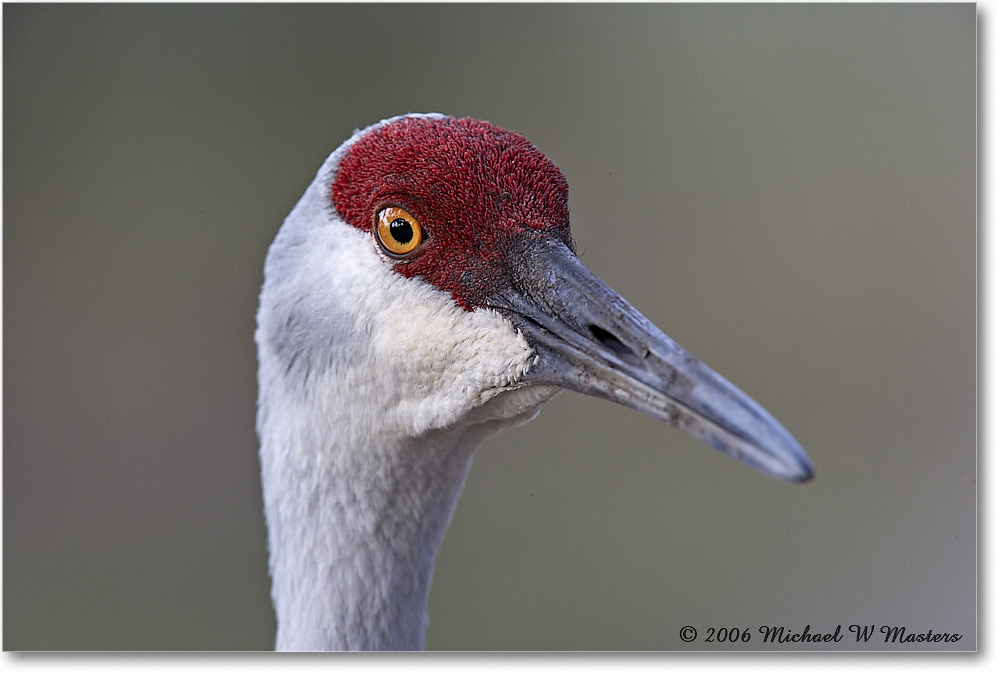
(353, 537)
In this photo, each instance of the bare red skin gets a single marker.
(475, 188)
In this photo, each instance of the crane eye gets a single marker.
(398, 231)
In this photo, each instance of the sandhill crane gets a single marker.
(422, 295)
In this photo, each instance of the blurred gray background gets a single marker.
(789, 191)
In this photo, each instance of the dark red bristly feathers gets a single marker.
(475, 188)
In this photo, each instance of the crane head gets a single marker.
(434, 254)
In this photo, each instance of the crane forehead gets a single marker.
(473, 187)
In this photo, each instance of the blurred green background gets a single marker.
(788, 191)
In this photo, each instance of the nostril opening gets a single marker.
(611, 342)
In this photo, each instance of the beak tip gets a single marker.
(800, 469)
(805, 476)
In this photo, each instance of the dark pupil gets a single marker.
(401, 230)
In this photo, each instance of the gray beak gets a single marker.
(590, 340)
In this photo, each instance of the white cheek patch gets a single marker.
(423, 361)
(443, 360)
